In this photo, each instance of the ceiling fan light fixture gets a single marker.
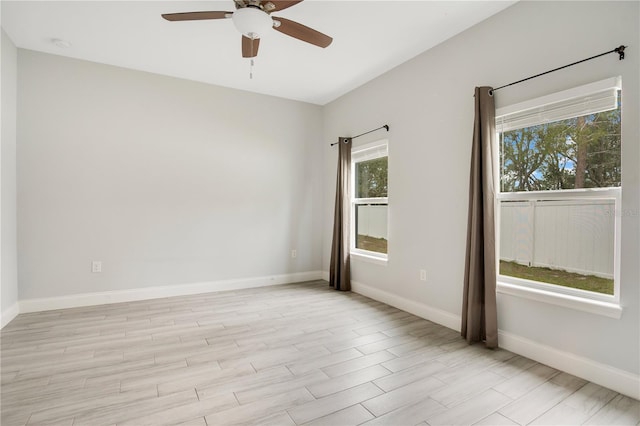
(252, 22)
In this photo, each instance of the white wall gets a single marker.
(428, 103)
(8, 263)
(165, 181)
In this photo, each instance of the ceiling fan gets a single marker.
(253, 19)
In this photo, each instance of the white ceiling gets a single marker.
(370, 37)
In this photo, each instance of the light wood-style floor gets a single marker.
(284, 355)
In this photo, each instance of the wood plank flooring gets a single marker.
(283, 355)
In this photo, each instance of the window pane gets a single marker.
(581, 152)
(371, 227)
(563, 242)
(371, 178)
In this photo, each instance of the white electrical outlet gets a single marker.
(294, 253)
(423, 275)
(96, 266)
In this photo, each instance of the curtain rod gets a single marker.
(619, 50)
(386, 126)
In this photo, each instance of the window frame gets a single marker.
(594, 302)
(375, 257)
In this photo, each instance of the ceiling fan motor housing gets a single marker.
(252, 21)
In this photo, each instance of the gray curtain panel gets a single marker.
(479, 312)
(339, 269)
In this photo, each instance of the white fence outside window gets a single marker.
(571, 235)
(372, 221)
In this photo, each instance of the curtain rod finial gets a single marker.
(620, 51)
(386, 126)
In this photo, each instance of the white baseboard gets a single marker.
(146, 293)
(602, 374)
(9, 314)
(430, 313)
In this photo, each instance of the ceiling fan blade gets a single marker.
(302, 32)
(250, 47)
(196, 16)
(279, 4)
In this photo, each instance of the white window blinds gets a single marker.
(369, 151)
(584, 100)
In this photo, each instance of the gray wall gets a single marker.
(8, 266)
(165, 181)
(428, 103)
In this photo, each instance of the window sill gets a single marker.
(611, 310)
(369, 259)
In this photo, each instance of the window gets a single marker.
(560, 186)
(369, 203)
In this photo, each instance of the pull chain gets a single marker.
(251, 64)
